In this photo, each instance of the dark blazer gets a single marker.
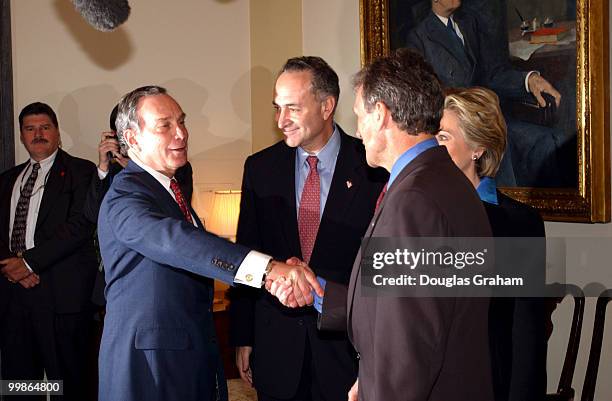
(423, 348)
(479, 62)
(159, 340)
(517, 326)
(268, 222)
(63, 255)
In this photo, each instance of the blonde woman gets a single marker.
(474, 132)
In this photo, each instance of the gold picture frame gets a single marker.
(589, 202)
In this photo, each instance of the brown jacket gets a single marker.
(423, 348)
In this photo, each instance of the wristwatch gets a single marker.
(268, 270)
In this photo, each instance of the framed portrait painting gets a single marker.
(557, 158)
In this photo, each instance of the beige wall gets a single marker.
(199, 50)
(331, 30)
(276, 35)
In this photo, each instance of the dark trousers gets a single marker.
(308, 389)
(34, 340)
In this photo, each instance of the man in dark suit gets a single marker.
(455, 43)
(48, 259)
(111, 160)
(415, 348)
(159, 340)
(313, 365)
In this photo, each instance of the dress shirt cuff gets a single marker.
(102, 174)
(25, 262)
(527, 79)
(252, 269)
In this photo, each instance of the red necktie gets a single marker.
(381, 196)
(178, 194)
(310, 206)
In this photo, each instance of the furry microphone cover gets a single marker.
(103, 15)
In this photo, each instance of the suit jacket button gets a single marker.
(300, 322)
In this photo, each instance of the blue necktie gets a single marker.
(452, 32)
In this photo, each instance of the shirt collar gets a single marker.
(162, 179)
(487, 190)
(45, 164)
(409, 156)
(445, 19)
(326, 155)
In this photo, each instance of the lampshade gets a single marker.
(223, 219)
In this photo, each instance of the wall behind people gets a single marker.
(331, 31)
(276, 35)
(338, 43)
(199, 50)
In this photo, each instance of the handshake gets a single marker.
(293, 283)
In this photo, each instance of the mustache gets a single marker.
(39, 140)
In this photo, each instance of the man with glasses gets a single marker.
(47, 259)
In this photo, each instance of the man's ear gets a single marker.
(130, 139)
(327, 107)
(382, 115)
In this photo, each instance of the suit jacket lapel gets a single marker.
(286, 206)
(356, 273)
(438, 33)
(348, 175)
(53, 187)
(5, 203)
(469, 37)
(162, 197)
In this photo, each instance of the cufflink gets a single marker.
(249, 278)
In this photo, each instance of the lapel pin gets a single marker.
(349, 184)
(61, 173)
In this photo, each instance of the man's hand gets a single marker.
(109, 143)
(282, 289)
(354, 391)
(302, 280)
(14, 269)
(31, 281)
(242, 363)
(537, 85)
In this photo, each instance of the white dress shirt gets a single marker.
(35, 199)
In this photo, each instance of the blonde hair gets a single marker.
(482, 124)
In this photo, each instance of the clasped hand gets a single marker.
(293, 283)
(15, 271)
